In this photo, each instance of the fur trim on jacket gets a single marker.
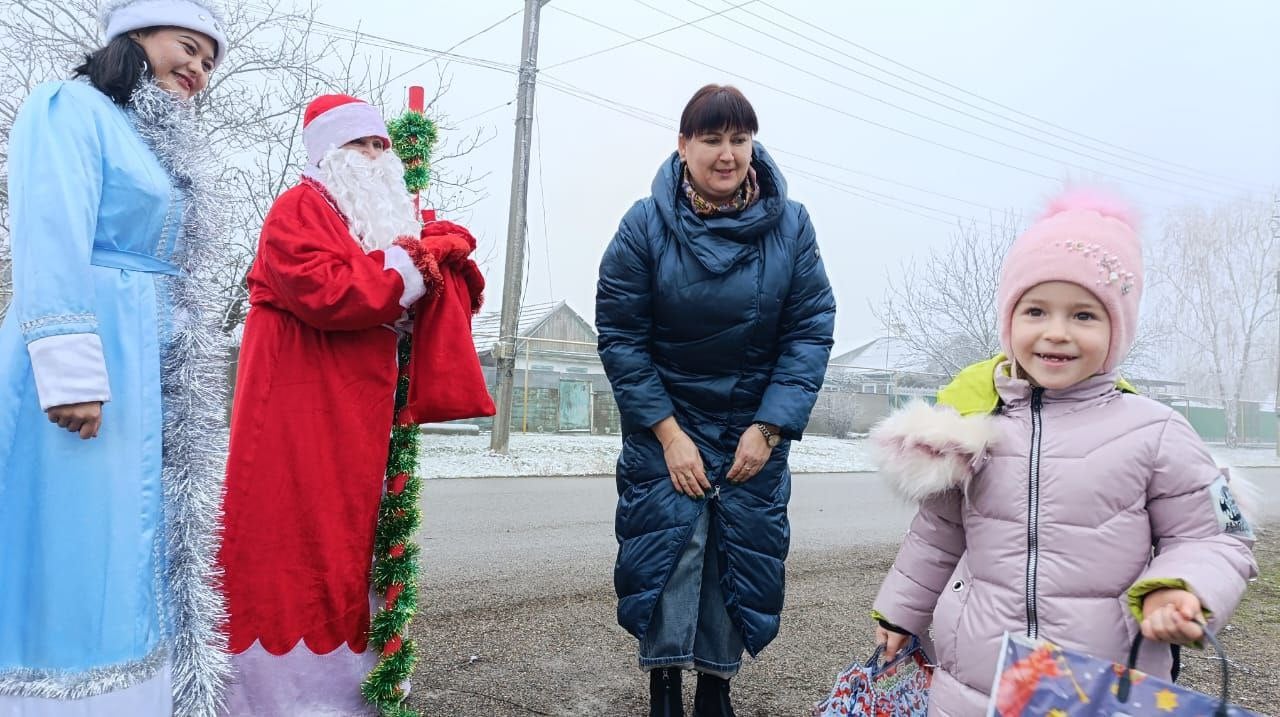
(923, 450)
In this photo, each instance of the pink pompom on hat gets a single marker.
(333, 120)
(1085, 238)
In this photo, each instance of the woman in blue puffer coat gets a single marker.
(715, 318)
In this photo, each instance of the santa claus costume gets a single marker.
(310, 424)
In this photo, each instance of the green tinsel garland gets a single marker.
(395, 569)
(413, 135)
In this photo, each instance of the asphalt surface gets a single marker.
(518, 606)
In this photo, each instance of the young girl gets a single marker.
(1053, 501)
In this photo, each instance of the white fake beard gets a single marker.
(372, 195)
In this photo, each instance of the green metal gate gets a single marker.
(575, 405)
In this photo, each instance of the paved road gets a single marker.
(505, 531)
(510, 533)
(518, 618)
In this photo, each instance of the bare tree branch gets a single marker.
(942, 308)
(279, 60)
(1216, 272)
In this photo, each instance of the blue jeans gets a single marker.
(691, 628)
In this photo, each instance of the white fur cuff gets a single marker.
(69, 368)
(393, 257)
(923, 450)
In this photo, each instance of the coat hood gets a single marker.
(720, 241)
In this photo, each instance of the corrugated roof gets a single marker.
(486, 326)
(882, 354)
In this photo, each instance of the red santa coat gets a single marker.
(309, 429)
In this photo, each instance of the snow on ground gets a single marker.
(537, 454)
(1245, 457)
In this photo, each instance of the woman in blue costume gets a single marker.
(112, 380)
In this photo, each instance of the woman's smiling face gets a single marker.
(180, 59)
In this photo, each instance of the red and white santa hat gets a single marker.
(333, 120)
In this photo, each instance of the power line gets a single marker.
(935, 120)
(455, 46)
(843, 168)
(401, 46)
(338, 32)
(995, 103)
(853, 191)
(1191, 174)
(649, 37)
(494, 108)
(622, 107)
(846, 188)
(837, 110)
(1172, 170)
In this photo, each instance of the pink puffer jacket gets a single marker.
(1040, 519)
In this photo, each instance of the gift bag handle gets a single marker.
(873, 662)
(1126, 680)
(875, 665)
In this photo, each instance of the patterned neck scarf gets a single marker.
(746, 195)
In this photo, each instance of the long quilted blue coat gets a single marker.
(719, 321)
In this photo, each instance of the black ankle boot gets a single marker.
(712, 697)
(665, 699)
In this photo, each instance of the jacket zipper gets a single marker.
(1033, 512)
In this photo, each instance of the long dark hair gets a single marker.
(115, 68)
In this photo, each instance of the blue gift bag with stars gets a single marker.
(1041, 679)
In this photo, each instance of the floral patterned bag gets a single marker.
(881, 689)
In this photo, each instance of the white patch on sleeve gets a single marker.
(1230, 519)
(69, 368)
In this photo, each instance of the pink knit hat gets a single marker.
(1088, 239)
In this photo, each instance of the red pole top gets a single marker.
(417, 98)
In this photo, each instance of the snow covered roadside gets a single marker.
(1245, 457)
(535, 454)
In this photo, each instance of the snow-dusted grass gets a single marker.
(534, 454)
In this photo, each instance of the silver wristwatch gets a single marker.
(770, 437)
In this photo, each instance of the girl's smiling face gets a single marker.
(1060, 334)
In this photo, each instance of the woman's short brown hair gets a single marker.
(717, 107)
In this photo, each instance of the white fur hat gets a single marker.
(124, 16)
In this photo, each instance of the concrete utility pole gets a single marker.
(513, 276)
(1275, 404)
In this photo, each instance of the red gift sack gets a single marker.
(445, 379)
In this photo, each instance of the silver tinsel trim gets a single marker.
(193, 382)
(56, 685)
